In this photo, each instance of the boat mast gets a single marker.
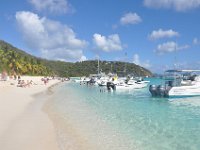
(175, 63)
(125, 63)
(175, 57)
(98, 65)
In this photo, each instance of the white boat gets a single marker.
(137, 84)
(79, 80)
(103, 81)
(109, 78)
(180, 83)
(85, 80)
(126, 85)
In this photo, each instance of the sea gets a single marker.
(87, 117)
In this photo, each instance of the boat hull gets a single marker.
(171, 92)
(184, 91)
(125, 87)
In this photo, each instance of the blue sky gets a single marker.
(156, 34)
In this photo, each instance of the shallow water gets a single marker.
(124, 120)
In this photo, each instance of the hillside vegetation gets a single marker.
(16, 61)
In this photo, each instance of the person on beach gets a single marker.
(19, 77)
(45, 80)
(15, 77)
(4, 76)
(28, 83)
(21, 83)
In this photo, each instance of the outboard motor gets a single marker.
(110, 86)
(161, 90)
(153, 90)
(92, 82)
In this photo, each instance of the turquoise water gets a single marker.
(130, 120)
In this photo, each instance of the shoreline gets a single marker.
(24, 124)
(78, 125)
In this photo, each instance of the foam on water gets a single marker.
(128, 120)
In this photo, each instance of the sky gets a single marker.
(156, 34)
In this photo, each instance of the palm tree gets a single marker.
(14, 61)
(3, 60)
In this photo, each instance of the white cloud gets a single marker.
(136, 60)
(158, 34)
(83, 58)
(63, 54)
(107, 44)
(178, 5)
(169, 47)
(53, 39)
(52, 6)
(196, 41)
(130, 18)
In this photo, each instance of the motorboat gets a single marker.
(178, 83)
(103, 81)
(79, 80)
(137, 84)
(129, 84)
(109, 78)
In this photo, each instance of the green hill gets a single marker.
(14, 60)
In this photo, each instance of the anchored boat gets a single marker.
(178, 83)
(126, 84)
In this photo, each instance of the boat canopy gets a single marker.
(170, 71)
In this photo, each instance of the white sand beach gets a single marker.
(23, 124)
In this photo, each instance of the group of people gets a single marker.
(22, 83)
(28, 83)
(45, 80)
(4, 76)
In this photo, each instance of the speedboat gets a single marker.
(126, 84)
(103, 81)
(79, 80)
(178, 83)
(137, 84)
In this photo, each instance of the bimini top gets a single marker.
(182, 71)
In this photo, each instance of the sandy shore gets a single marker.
(23, 124)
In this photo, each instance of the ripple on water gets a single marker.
(126, 120)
